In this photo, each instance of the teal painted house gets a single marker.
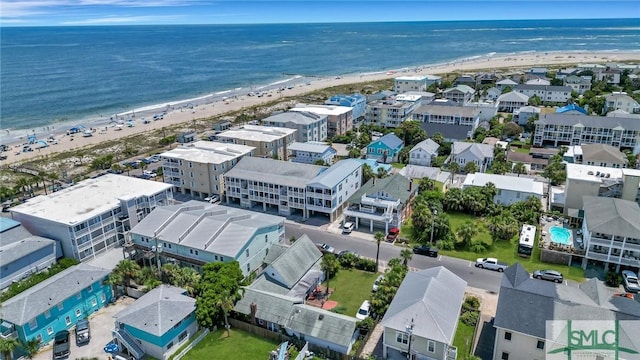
(55, 304)
(389, 144)
(157, 324)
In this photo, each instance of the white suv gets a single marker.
(347, 228)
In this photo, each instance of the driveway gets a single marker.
(101, 326)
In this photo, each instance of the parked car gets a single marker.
(83, 332)
(393, 234)
(61, 346)
(212, 199)
(630, 281)
(549, 275)
(347, 228)
(425, 250)
(363, 312)
(376, 284)
(491, 264)
(326, 249)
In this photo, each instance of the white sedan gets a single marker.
(363, 312)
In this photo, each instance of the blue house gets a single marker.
(385, 149)
(157, 323)
(357, 101)
(55, 304)
(22, 254)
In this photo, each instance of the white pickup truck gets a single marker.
(491, 264)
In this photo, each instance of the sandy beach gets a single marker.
(225, 102)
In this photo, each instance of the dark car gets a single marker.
(425, 250)
(61, 345)
(549, 275)
(83, 332)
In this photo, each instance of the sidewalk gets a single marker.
(483, 340)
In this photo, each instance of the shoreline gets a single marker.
(222, 102)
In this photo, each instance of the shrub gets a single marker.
(471, 303)
(348, 261)
(339, 309)
(478, 248)
(366, 265)
(366, 325)
(445, 245)
(612, 279)
(469, 318)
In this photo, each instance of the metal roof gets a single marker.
(284, 173)
(336, 173)
(505, 182)
(257, 133)
(208, 152)
(427, 145)
(295, 117)
(310, 146)
(390, 140)
(447, 110)
(17, 250)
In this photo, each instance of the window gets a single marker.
(33, 324)
(79, 295)
(247, 252)
(67, 320)
(78, 312)
(49, 330)
(402, 337)
(169, 345)
(90, 288)
(183, 335)
(94, 302)
(431, 346)
(266, 238)
(507, 335)
(196, 252)
(505, 356)
(60, 306)
(103, 298)
(540, 345)
(39, 337)
(47, 314)
(248, 267)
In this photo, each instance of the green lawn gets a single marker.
(351, 288)
(240, 345)
(397, 165)
(463, 339)
(520, 150)
(502, 250)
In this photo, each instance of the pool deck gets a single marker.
(545, 236)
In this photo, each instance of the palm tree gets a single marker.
(7, 346)
(129, 270)
(226, 305)
(330, 265)
(467, 231)
(31, 347)
(453, 167)
(454, 199)
(379, 236)
(519, 168)
(406, 255)
(21, 185)
(470, 167)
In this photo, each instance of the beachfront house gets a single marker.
(546, 93)
(22, 253)
(562, 129)
(269, 142)
(405, 84)
(391, 111)
(381, 203)
(356, 101)
(461, 94)
(198, 169)
(510, 189)
(339, 118)
(312, 152)
(55, 304)
(195, 233)
(505, 83)
(385, 149)
(157, 323)
(309, 126)
(418, 323)
(293, 188)
(521, 331)
(93, 216)
(452, 121)
(464, 152)
(423, 153)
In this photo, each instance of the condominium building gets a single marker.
(269, 142)
(312, 152)
(392, 111)
(546, 93)
(197, 169)
(563, 129)
(404, 84)
(195, 233)
(339, 118)
(291, 187)
(356, 101)
(309, 126)
(94, 215)
(452, 121)
(611, 231)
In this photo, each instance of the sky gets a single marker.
(148, 12)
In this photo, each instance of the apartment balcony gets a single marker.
(377, 202)
(8, 331)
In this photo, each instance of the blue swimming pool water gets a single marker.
(560, 235)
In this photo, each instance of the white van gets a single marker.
(347, 228)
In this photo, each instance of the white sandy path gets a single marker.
(220, 107)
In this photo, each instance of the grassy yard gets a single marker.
(397, 165)
(463, 339)
(351, 288)
(240, 345)
(502, 250)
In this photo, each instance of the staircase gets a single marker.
(125, 339)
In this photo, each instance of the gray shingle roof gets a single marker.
(513, 96)
(448, 131)
(427, 145)
(479, 151)
(589, 121)
(311, 146)
(390, 140)
(612, 216)
(293, 264)
(558, 88)
(274, 171)
(395, 185)
(218, 229)
(602, 153)
(269, 306)
(336, 173)
(17, 250)
(419, 172)
(447, 110)
(34, 301)
(296, 117)
(158, 311)
(462, 88)
(322, 324)
(549, 301)
(420, 297)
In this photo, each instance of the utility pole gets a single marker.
(409, 333)
(433, 221)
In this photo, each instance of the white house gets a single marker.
(511, 189)
(310, 126)
(621, 101)
(423, 152)
(523, 114)
(464, 152)
(461, 94)
(579, 84)
(511, 101)
(310, 152)
(404, 84)
(339, 118)
(506, 83)
(546, 93)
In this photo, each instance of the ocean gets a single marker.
(54, 75)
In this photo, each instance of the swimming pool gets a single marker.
(560, 235)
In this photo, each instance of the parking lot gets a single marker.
(101, 326)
